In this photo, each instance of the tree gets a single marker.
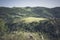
(3, 27)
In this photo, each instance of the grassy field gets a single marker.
(33, 19)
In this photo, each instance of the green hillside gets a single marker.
(29, 23)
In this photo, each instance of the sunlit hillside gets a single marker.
(33, 19)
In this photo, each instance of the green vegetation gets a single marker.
(29, 23)
(3, 27)
(33, 19)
